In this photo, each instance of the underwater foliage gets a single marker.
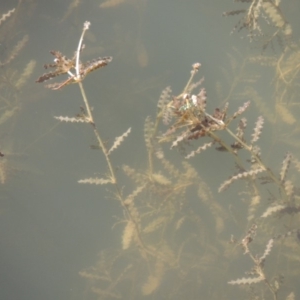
(13, 86)
(174, 229)
(258, 14)
(11, 80)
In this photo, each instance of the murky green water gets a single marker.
(159, 229)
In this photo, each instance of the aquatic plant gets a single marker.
(259, 12)
(13, 86)
(173, 224)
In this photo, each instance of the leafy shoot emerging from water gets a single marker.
(76, 70)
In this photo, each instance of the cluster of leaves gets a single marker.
(64, 65)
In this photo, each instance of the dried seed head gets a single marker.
(196, 66)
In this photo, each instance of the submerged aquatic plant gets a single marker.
(173, 227)
(263, 11)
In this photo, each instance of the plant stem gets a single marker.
(111, 170)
